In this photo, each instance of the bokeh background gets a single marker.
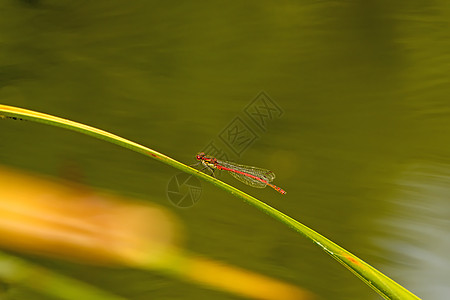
(362, 146)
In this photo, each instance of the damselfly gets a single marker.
(253, 176)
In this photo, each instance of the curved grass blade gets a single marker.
(18, 272)
(382, 284)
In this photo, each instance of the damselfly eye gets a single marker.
(200, 156)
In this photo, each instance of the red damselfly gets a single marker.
(252, 176)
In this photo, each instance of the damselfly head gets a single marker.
(200, 156)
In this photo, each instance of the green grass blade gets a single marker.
(382, 284)
(18, 272)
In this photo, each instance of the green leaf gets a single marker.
(382, 284)
(16, 271)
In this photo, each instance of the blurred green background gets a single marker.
(362, 147)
